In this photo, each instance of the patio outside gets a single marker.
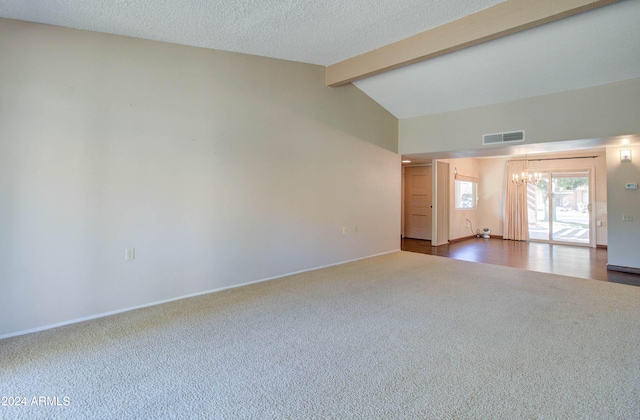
(567, 219)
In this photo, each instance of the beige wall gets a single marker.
(219, 168)
(491, 195)
(624, 236)
(597, 112)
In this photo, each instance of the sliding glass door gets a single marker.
(559, 207)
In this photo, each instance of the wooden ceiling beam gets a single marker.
(494, 22)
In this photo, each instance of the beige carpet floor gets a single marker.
(402, 335)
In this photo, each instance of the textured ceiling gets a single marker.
(592, 48)
(318, 32)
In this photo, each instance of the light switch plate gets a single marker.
(130, 254)
(631, 186)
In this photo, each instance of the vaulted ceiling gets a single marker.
(591, 48)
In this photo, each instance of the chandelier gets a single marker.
(524, 178)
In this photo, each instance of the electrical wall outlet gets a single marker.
(130, 254)
(355, 229)
(627, 217)
(344, 230)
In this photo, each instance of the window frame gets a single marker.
(457, 194)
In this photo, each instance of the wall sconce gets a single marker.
(625, 155)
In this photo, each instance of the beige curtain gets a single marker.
(516, 223)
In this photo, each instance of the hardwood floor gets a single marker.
(590, 263)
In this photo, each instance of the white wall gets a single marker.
(624, 236)
(218, 168)
(597, 112)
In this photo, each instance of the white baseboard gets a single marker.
(117, 311)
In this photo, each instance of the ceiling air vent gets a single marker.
(512, 136)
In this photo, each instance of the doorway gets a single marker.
(417, 202)
(559, 208)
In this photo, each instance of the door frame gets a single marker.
(441, 204)
(591, 208)
(403, 197)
